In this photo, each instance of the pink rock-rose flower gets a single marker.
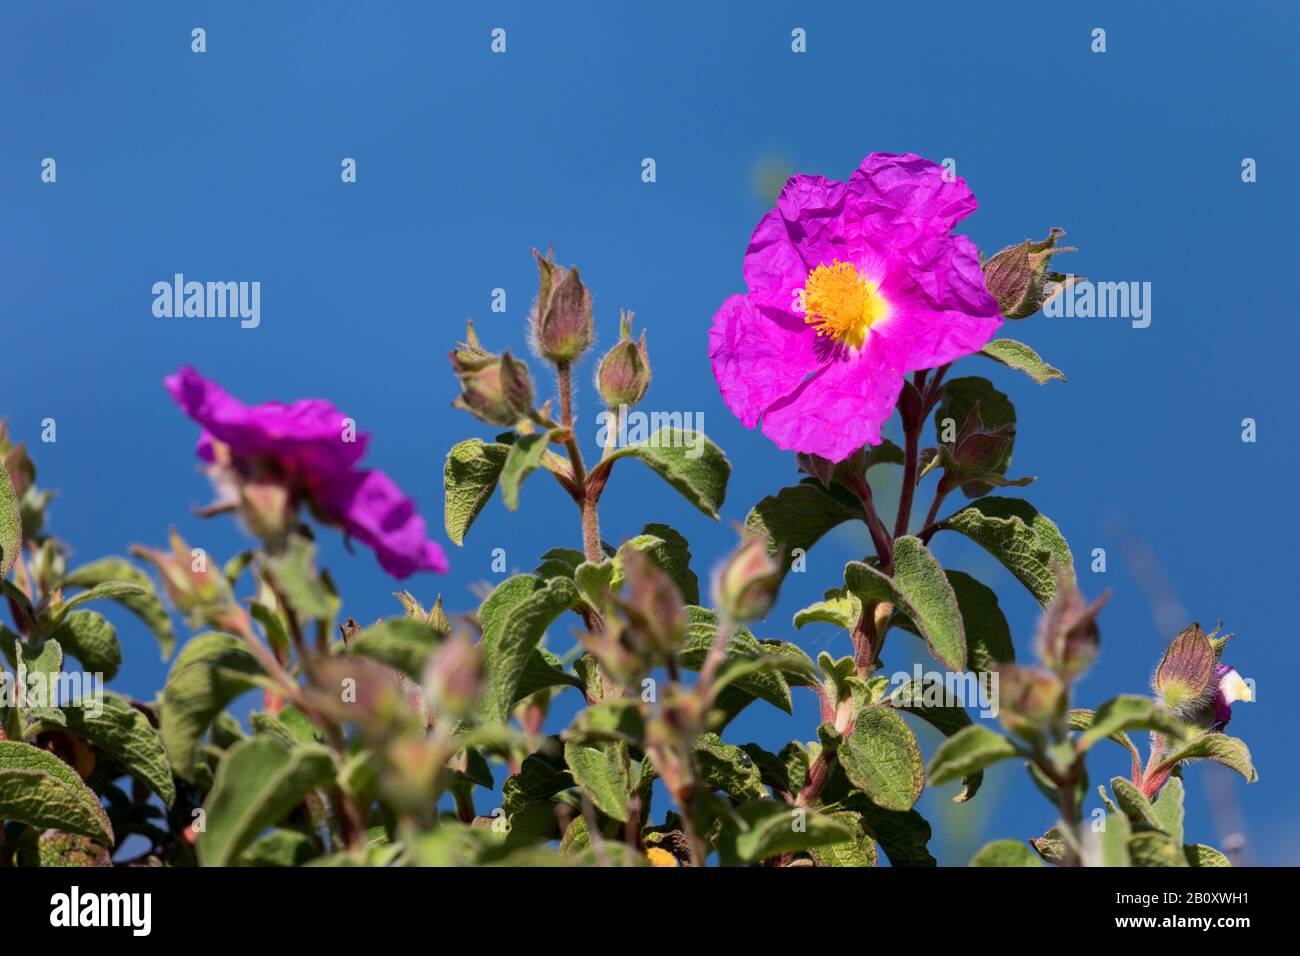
(302, 445)
(851, 286)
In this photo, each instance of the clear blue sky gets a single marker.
(225, 166)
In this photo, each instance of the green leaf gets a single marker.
(688, 461)
(920, 591)
(1081, 719)
(1198, 854)
(541, 671)
(295, 575)
(1113, 840)
(601, 772)
(40, 790)
(1026, 542)
(524, 457)
(796, 518)
(763, 828)
(1152, 848)
(470, 476)
(988, 637)
(1229, 751)
(126, 735)
(1006, 853)
(840, 607)
(258, 782)
(947, 717)
(768, 684)
(1134, 803)
(967, 751)
(726, 767)
(279, 848)
(146, 605)
(210, 671)
(540, 777)
(882, 759)
(1021, 357)
(402, 643)
(11, 524)
(666, 547)
(1130, 712)
(514, 618)
(1169, 809)
(858, 852)
(89, 638)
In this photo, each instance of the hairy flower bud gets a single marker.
(516, 386)
(653, 604)
(561, 323)
(1029, 700)
(746, 585)
(194, 586)
(624, 373)
(483, 391)
(1019, 279)
(1068, 638)
(454, 679)
(1186, 672)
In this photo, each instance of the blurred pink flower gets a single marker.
(302, 445)
(851, 286)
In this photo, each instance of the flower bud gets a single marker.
(1029, 700)
(1068, 638)
(1019, 279)
(482, 389)
(454, 679)
(1186, 672)
(516, 386)
(268, 510)
(624, 373)
(745, 587)
(653, 604)
(562, 323)
(192, 584)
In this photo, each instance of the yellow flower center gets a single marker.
(843, 303)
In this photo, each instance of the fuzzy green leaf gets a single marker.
(89, 638)
(1198, 854)
(1021, 357)
(402, 643)
(762, 828)
(210, 671)
(688, 461)
(858, 852)
(967, 751)
(1006, 853)
(1130, 712)
(469, 477)
(1229, 751)
(258, 782)
(126, 735)
(1026, 542)
(601, 772)
(40, 790)
(796, 518)
(11, 524)
(524, 457)
(145, 605)
(882, 758)
(514, 619)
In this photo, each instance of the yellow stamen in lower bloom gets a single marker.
(843, 303)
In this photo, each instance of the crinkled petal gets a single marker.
(370, 507)
(910, 194)
(839, 409)
(940, 308)
(758, 356)
(798, 235)
(306, 435)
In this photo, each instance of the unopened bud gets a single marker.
(653, 603)
(624, 373)
(562, 323)
(1068, 637)
(516, 386)
(454, 679)
(482, 389)
(1019, 279)
(192, 584)
(1186, 672)
(745, 588)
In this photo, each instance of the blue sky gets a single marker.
(225, 166)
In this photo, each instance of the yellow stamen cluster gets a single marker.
(843, 303)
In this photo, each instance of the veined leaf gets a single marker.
(126, 735)
(1229, 751)
(470, 476)
(1027, 543)
(146, 605)
(1021, 357)
(89, 638)
(523, 458)
(258, 782)
(967, 751)
(686, 460)
(514, 619)
(402, 643)
(11, 524)
(1006, 853)
(40, 790)
(1130, 712)
(763, 828)
(601, 772)
(883, 760)
(796, 518)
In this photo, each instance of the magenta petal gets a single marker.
(370, 507)
(758, 356)
(910, 193)
(306, 436)
(940, 306)
(841, 408)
